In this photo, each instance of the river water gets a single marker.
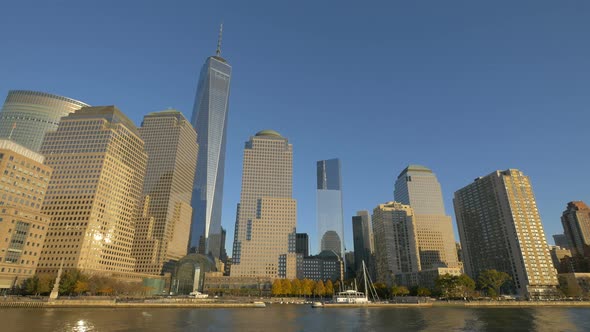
(287, 318)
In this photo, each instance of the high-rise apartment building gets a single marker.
(362, 230)
(576, 225)
(329, 206)
(500, 228)
(396, 241)
(163, 225)
(264, 241)
(209, 119)
(23, 184)
(27, 115)
(418, 187)
(99, 163)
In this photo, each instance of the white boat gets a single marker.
(317, 305)
(351, 296)
(199, 295)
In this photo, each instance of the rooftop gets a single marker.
(268, 132)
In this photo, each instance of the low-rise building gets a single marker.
(326, 265)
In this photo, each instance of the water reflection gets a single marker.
(291, 318)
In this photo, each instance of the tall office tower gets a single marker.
(396, 242)
(418, 187)
(362, 230)
(302, 244)
(99, 163)
(27, 115)
(576, 225)
(329, 204)
(500, 228)
(23, 184)
(163, 224)
(561, 241)
(223, 253)
(264, 243)
(210, 121)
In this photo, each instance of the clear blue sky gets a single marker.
(464, 87)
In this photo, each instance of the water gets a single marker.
(287, 318)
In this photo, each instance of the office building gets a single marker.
(561, 241)
(99, 164)
(576, 225)
(329, 206)
(264, 241)
(163, 225)
(396, 241)
(209, 119)
(23, 184)
(302, 244)
(362, 232)
(500, 228)
(27, 115)
(327, 265)
(418, 187)
(557, 256)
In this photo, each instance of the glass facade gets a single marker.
(209, 119)
(27, 115)
(329, 206)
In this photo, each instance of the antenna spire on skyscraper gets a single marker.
(218, 52)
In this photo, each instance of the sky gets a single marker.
(463, 87)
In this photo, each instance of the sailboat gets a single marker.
(354, 296)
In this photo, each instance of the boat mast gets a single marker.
(365, 277)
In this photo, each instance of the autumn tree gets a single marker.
(277, 288)
(296, 287)
(329, 288)
(307, 287)
(381, 289)
(286, 286)
(423, 291)
(399, 291)
(319, 289)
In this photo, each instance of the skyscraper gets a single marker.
(396, 243)
(576, 225)
(362, 230)
(163, 224)
(418, 187)
(302, 244)
(264, 241)
(500, 228)
(27, 115)
(210, 121)
(329, 205)
(22, 225)
(99, 163)
(561, 241)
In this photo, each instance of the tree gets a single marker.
(329, 288)
(492, 281)
(307, 287)
(296, 287)
(287, 287)
(381, 289)
(399, 291)
(277, 288)
(69, 280)
(319, 289)
(423, 291)
(451, 286)
(81, 287)
(30, 285)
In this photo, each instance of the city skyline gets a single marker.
(479, 90)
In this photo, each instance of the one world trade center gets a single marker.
(209, 119)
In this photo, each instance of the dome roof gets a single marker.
(268, 132)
